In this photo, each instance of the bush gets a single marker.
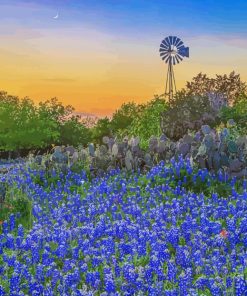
(124, 117)
(187, 112)
(101, 129)
(148, 123)
(73, 132)
(238, 112)
(231, 86)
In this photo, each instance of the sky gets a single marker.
(99, 54)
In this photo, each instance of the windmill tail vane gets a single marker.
(172, 51)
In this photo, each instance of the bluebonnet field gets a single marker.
(127, 235)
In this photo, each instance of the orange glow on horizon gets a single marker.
(96, 75)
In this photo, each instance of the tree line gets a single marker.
(25, 127)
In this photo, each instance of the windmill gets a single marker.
(172, 50)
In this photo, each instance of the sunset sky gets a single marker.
(99, 54)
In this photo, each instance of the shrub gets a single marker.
(231, 86)
(148, 123)
(238, 112)
(187, 112)
(73, 132)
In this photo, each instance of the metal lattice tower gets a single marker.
(172, 50)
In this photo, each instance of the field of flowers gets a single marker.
(173, 231)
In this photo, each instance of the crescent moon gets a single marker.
(56, 17)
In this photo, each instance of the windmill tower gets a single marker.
(172, 50)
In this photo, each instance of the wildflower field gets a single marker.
(174, 231)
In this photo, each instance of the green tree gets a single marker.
(237, 112)
(24, 126)
(187, 112)
(231, 86)
(124, 116)
(101, 129)
(73, 132)
(148, 122)
(8, 113)
(55, 110)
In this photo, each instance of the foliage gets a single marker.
(22, 126)
(26, 126)
(124, 116)
(18, 205)
(55, 110)
(101, 129)
(148, 123)
(231, 85)
(73, 132)
(237, 112)
(187, 112)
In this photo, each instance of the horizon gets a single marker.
(98, 55)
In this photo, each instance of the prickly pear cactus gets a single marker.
(102, 150)
(216, 161)
(206, 129)
(105, 140)
(208, 142)
(129, 161)
(232, 147)
(153, 144)
(91, 149)
(148, 160)
(38, 159)
(115, 150)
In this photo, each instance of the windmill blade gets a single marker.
(174, 40)
(170, 40)
(177, 41)
(173, 60)
(180, 44)
(164, 57)
(169, 57)
(163, 44)
(163, 54)
(163, 50)
(177, 55)
(177, 59)
(166, 42)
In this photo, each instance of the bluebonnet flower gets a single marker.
(240, 286)
(171, 292)
(215, 290)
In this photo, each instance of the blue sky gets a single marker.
(195, 17)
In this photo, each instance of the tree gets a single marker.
(238, 112)
(187, 112)
(101, 129)
(73, 132)
(24, 126)
(55, 110)
(8, 112)
(231, 86)
(124, 116)
(148, 123)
